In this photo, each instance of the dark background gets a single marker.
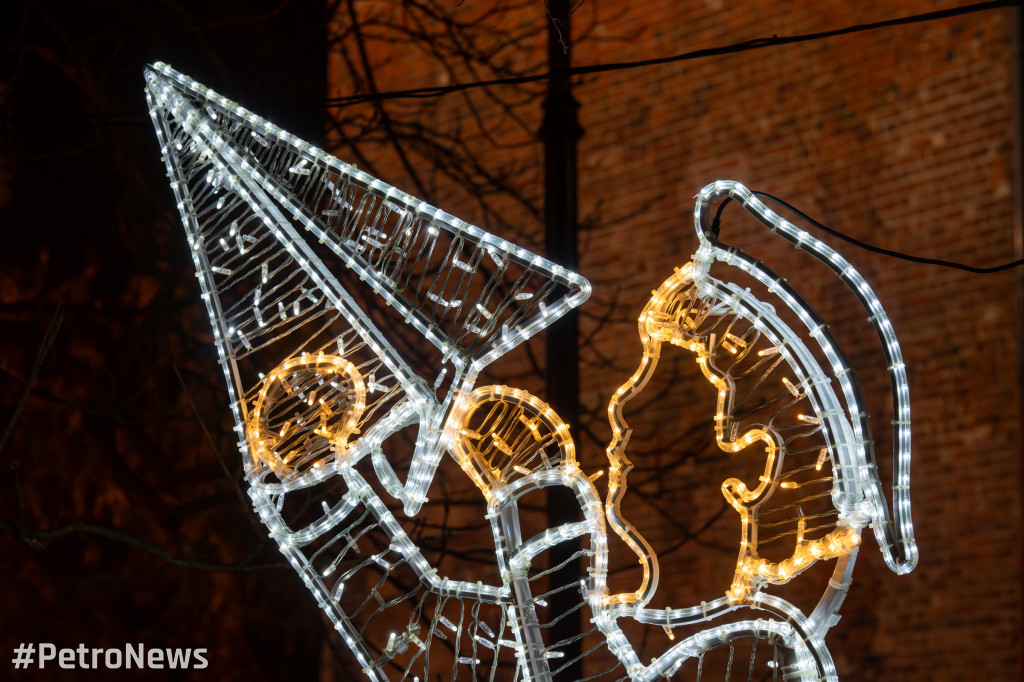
(121, 520)
(117, 521)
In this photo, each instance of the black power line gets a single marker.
(745, 46)
(130, 119)
(134, 119)
(716, 224)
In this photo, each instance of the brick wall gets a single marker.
(901, 137)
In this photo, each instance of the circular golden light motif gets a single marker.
(307, 410)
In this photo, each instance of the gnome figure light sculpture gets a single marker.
(301, 258)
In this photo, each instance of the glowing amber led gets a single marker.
(254, 199)
(325, 421)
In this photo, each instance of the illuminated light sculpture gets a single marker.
(808, 434)
(317, 389)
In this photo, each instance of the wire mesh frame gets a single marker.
(470, 332)
(195, 111)
(194, 126)
(692, 299)
(810, 659)
(856, 487)
(894, 533)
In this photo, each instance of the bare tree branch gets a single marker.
(34, 538)
(44, 349)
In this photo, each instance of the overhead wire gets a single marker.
(125, 119)
(743, 46)
(717, 222)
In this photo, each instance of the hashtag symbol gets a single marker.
(23, 656)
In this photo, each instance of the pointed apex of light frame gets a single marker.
(470, 293)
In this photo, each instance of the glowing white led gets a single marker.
(316, 387)
(314, 411)
(686, 311)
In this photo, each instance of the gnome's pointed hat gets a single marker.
(282, 234)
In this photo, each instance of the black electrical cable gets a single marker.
(717, 221)
(744, 46)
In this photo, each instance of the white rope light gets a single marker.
(317, 388)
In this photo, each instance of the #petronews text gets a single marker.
(134, 656)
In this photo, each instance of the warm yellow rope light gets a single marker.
(335, 377)
(503, 433)
(253, 199)
(672, 315)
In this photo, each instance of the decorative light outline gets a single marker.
(514, 419)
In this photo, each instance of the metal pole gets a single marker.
(560, 131)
